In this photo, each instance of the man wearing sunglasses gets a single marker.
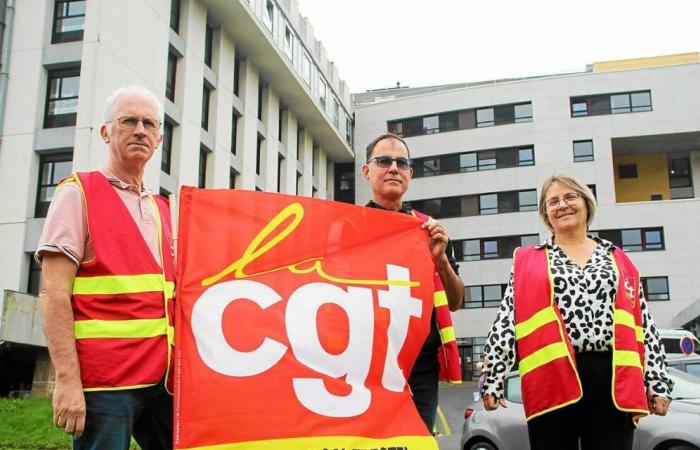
(107, 286)
(388, 170)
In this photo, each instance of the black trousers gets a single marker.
(593, 420)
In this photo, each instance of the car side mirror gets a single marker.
(477, 396)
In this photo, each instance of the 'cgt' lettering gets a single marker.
(300, 322)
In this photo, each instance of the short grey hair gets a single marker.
(581, 189)
(133, 89)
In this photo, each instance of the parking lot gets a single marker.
(453, 401)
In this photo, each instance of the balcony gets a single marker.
(656, 167)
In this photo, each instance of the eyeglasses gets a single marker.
(129, 123)
(385, 162)
(568, 199)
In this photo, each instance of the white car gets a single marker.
(505, 428)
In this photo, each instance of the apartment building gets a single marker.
(251, 101)
(628, 129)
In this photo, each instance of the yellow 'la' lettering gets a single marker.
(255, 250)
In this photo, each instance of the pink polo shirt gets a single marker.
(66, 229)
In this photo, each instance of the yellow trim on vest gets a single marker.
(119, 284)
(626, 358)
(447, 334)
(118, 388)
(421, 442)
(543, 356)
(137, 328)
(171, 335)
(169, 289)
(539, 319)
(439, 298)
(622, 317)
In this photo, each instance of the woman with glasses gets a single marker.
(575, 320)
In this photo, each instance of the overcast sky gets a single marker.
(375, 43)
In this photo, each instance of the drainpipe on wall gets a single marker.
(5, 59)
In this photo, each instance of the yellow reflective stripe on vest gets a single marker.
(137, 328)
(119, 284)
(171, 335)
(538, 319)
(169, 289)
(439, 298)
(447, 334)
(622, 317)
(626, 358)
(543, 356)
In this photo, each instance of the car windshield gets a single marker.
(685, 386)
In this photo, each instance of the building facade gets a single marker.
(251, 102)
(628, 129)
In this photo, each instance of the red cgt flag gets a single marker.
(298, 322)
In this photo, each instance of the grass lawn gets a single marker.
(26, 425)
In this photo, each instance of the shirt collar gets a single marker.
(121, 184)
(607, 245)
(405, 207)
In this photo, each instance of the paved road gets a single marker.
(453, 401)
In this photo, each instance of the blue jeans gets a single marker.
(114, 416)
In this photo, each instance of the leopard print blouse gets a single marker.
(585, 297)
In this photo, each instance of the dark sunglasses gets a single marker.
(385, 162)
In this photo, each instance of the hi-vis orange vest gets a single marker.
(547, 364)
(448, 354)
(122, 299)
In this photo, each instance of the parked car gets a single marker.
(505, 428)
(689, 364)
(679, 342)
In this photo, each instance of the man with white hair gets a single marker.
(107, 287)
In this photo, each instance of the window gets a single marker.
(171, 77)
(526, 156)
(488, 204)
(627, 171)
(527, 200)
(641, 101)
(336, 112)
(34, 279)
(322, 92)
(462, 120)
(617, 103)
(487, 160)
(206, 94)
(234, 132)
(236, 75)
(579, 108)
(280, 167)
(232, 175)
(348, 130)
(280, 123)
(656, 288)
(269, 14)
(166, 147)
(474, 205)
(62, 98)
(484, 118)
(258, 154)
(69, 21)
(491, 248)
(523, 112)
(208, 44)
(202, 171)
(288, 41)
(485, 296)
(467, 162)
(431, 124)
(52, 169)
(260, 101)
(175, 15)
(583, 151)
(635, 239)
(306, 69)
(679, 173)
